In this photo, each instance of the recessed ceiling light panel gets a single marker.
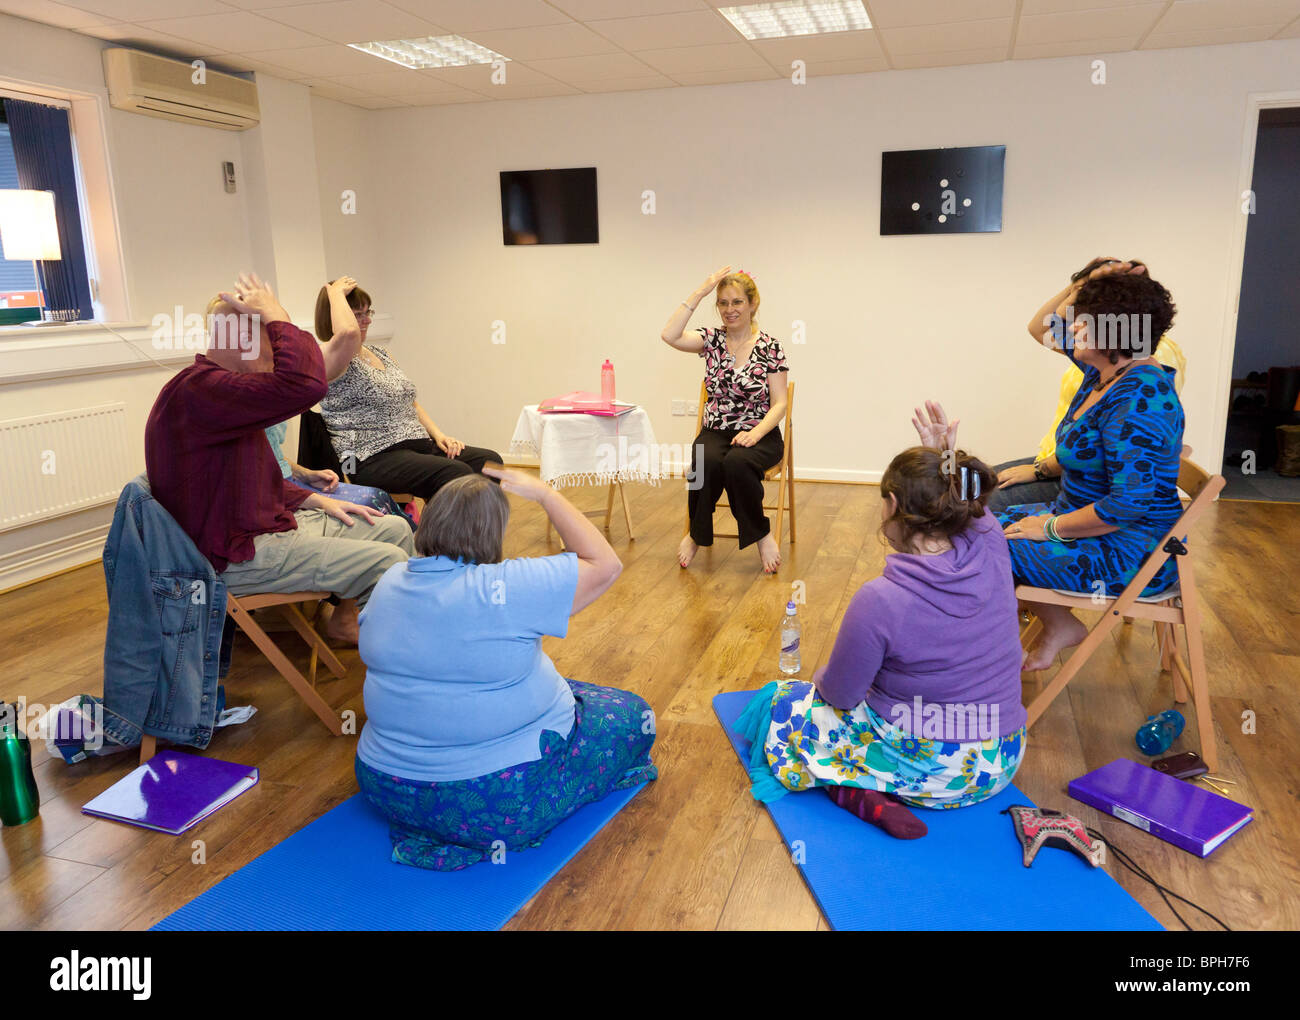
(439, 51)
(797, 17)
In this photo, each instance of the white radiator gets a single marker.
(60, 463)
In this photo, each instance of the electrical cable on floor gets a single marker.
(1164, 891)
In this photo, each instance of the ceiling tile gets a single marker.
(969, 35)
(324, 61)
(263, 5)
(143, 10)
(725, 77)
(376, 103)
(588, 10)
(1083, 47)
(951, 58)
(545, 41)
(654, 81)
(332, 90)
(235, 32)
(576, 70)
(442, 98)
(833, 46)
(1053, 7)
(903, 13)
(1207, 37)
(145, 38)
(390, 83)
(728, 57)
(462, 16)
(50, 13)
(479, 76)
(535, 90)
(350, 21)
(826, 68)
(1056, 6)
(662, 31)
(1075, 26)
(1207, 14)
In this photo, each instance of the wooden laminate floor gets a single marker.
(693, 850)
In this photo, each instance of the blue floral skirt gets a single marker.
(800, 742)
(449, 826)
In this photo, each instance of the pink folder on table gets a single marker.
(579, 402)
(1187, 816)
(173, 791)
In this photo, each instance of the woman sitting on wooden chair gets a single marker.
(1117, 452)
(473, 741)
(745, 373)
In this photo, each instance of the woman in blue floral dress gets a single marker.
(1118, 451)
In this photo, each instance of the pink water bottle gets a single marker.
(607, 382)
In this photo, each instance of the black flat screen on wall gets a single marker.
(942, 191)
(549, 206)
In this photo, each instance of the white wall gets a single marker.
(784, 181)
(182, 239)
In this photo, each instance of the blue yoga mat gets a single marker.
(965, 874)
(336, 874)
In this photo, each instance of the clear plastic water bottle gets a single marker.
(607, 382)
(1159, 731)
(790, 628)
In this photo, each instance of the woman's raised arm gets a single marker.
(598, 564)
(346, 341)
(672, 331)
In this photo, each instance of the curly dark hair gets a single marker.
(1130, 313)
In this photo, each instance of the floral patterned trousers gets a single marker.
(449, 826)
(808, 743)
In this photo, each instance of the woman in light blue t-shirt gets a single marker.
(473, 742)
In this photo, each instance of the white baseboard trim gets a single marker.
(36, 562)
(801, 474)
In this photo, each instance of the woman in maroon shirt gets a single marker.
(745, 376)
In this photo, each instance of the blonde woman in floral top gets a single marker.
(745, 376)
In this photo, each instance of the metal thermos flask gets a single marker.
(19, 799)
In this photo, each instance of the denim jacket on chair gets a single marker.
(163, 654)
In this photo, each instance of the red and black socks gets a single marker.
(880, 809)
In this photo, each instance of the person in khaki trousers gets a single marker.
(210, 465)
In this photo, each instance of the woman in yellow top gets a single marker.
(1037, 479)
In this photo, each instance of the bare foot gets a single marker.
(342, 624)
(686, 551)
(1051, 642)
(769, 553)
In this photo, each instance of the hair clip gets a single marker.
(966, 494)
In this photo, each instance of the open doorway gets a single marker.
(1261, 451)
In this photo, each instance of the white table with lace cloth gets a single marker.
(588, 449)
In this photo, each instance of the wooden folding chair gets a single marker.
(1179, 605)
(782, 473)
(240, 610)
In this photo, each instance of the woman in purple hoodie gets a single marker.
(919, 703)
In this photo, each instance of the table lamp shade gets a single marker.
(29, 229)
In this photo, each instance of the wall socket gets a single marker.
(686, 408)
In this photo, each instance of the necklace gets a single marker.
(732, 350)
(1098, 386)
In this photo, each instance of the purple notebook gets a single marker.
(173, 791)
(1187, 816)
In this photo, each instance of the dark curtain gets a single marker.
(42, 140)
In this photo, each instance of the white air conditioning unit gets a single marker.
(160, 87)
